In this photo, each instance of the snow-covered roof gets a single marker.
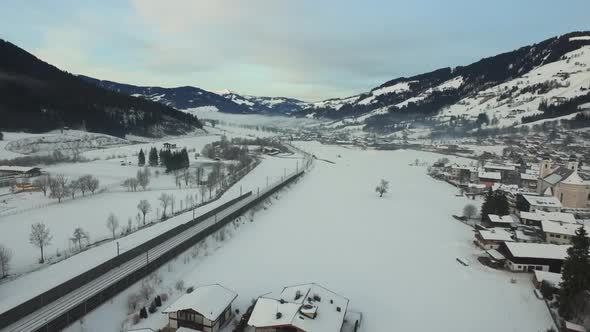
(496, 234)
(574, 179)
(552, 216)
(507, 219)
(209, 301)
(551, 277)
(495, 254)
(490, 175)
(569, 326)
(528, 177)
(296, 305)
(537, 250)
(22, 169)
(500, 167)
(559, 228)
(543, 201)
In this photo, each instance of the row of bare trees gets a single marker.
(142, 179)
(59, 186)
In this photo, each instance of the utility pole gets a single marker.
(117, 248)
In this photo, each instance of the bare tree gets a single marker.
(84, 182)
(143, 178)
(165, 201)
(92, 184)
(40, 237)
(5, 258)
(42, 183)
(79, 235)
(382, 187)
(469, 211)
(74, 187)
(75, 149)
(144, 207)
(203, 193)
(59, 187)
(172, 202)
(113, 223)
(187, 176)
(131, 184)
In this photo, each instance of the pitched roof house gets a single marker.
(206, 308)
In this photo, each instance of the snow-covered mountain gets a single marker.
(268, 105)
(185, 97)
(534, 82)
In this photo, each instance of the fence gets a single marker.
(85, 305)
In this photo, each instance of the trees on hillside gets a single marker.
(382, 187)
(575, 278)
(495, 203)
(40, 237)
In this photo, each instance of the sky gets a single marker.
(307, 49)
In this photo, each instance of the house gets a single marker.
(528, 181)
(19, 171)
(169, 146)
(508, 173)
(550, 277)
(301, 308)
(206, 309)
(528, 257)
(506, 221)
(535, 218)
(558, 232)
(542, 203)
(491, 239)
(489, 178)
(462, 174)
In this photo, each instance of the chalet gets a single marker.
(528, 257)
(542, 203)
(558, 232)
(206, 308)
(302, 308)
(462, 174)
(506, 221)
(19, 171)
(535, 218)
(492, 238)
(489, 178)
(508, 173)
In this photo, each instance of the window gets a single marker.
(561, 197)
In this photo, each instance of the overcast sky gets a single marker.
(309, 49)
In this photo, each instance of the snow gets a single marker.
(396, 88)
(580, 38)
(209, 300)
(557, 228)
(543, 201)
(574, 179)
(201, 109)
(393, 257)
(551, 277)
(551, 216)
(537, 250)
(496, 235)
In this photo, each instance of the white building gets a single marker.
(543, 203)
(302, 308)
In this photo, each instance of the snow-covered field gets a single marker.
(393, 257)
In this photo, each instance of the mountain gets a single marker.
(545, 80)
(267, 105)
(189, 97)
(185, 97)
(36, 96)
